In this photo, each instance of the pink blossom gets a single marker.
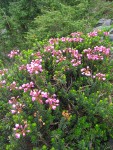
(21, 130)
(17, 135)
(16, 107)
(102, 49)
(13, 111)
(40, 96)
(53, 41)
(44, 94)
(37, 54)
(97, 53)
(75, 62)
(106, 33)
(26, 86)
(94, 57)
(22, 67)
(93, 34)
(60, 58)
(17, 125)
(2, 83)
(67, 39)
(13, 100)
(49, 48)
(77, 39)
(2, 72)
(100, 76)
(86, 71)
(76, 34)
(13, 86)
(36, 96)
(53, 102)
(34, 67)
(13, 53)
(76, 55)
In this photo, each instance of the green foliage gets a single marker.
(83, 120)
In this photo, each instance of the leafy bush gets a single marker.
(60, 96)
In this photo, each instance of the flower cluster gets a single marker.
(59, 55)
(62, 55)
(76, 58)
(102, 49)
(35, 66)
(37, 54)
(22, 67)
(86, 71)
(100, 76)
(97, 53)
(2, 72)
(2, 83)
(16, 106)
(75, 38)
(48, 48)
(53, 41)
(13, 53)
(76, 34)
(106, 33)
(40, 96)
(26, 86)
(93, 34)
(21, 130)
(52, 101)
(13, 86)
(37, 95)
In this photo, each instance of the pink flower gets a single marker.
(93, 34)
(17, 135)
(100, 76)
(16, 106)
(49, 48)
(44, 94)
(34, 67)
(26, 86)
(86, 71)
(22, 67)
(53, 102)
(13, 53)
(21, 130)
(40, 96)
(75, 62)
(76, 34)
(37, 54)
(2, 72)
(13, 111)
(17, 125)
(106, 33)
(97, 53)
(2, 83)
(36, 95)
(94, 57)
(53, 41)
(13, 86)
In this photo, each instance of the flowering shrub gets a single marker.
(61, 95)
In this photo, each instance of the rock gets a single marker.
(111, 34)
(100, 22)
(105, 24)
